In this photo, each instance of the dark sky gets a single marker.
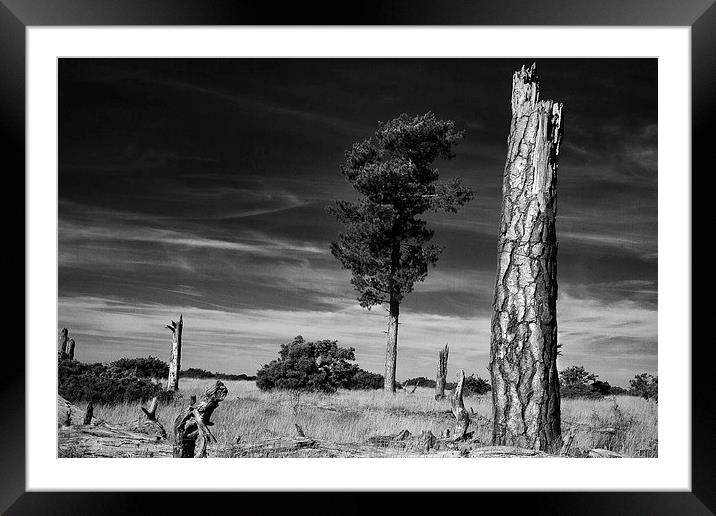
(200, 185)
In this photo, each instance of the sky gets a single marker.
(200, 187)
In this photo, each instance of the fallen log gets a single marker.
(105, 441)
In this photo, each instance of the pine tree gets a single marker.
(385, 243)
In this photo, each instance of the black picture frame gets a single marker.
(17, 15)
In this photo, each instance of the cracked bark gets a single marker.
(523, 348)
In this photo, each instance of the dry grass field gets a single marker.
(624, 424)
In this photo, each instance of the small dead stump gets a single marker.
(88, 414)
(149, 424)
(191, 428)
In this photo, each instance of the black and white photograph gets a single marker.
(357, 257)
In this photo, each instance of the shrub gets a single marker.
(421, 381)
(366, 380)
(194, 372)
(615, 390)
(601, 387)
(101, 383)
(150, 367)
(645, 385)
(315, 366)
(574, 383)
(474, 385)
(310, 366)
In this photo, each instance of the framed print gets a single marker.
(440, 249)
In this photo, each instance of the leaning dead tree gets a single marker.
(442, 373)
(458, 408)
(523, 349)
(175, 362)
(191, 427)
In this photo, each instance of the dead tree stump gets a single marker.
(151, 410)
(191, 428)
(523, 348)
(88, 414)
(175, 361)
(63, 343)
(442, 373)
(458, 408)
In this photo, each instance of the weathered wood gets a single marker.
(175, 361)
(63, 343)
(81, 441)
(88, 414)
(151, 410)
(105, 441)
(523, 349)
(441, 378)
(69, 414)
(458, 408)
(148, 424)
(191, 432)
(71, 349)
(567, 442)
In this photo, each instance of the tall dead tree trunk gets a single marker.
(442, 373)
(175, 362)
(523, 349)
(391, 351)
(63, 343)
(71, 349)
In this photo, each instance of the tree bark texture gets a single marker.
(391, 351)
(442, 373)
(523, 349)
(175, 362)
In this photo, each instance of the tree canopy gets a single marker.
(385, 243)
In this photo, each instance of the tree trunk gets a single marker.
(175, 362)
(442, 373)
(523, 349)
(63, 343)
(71, 349)
(391, 352)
